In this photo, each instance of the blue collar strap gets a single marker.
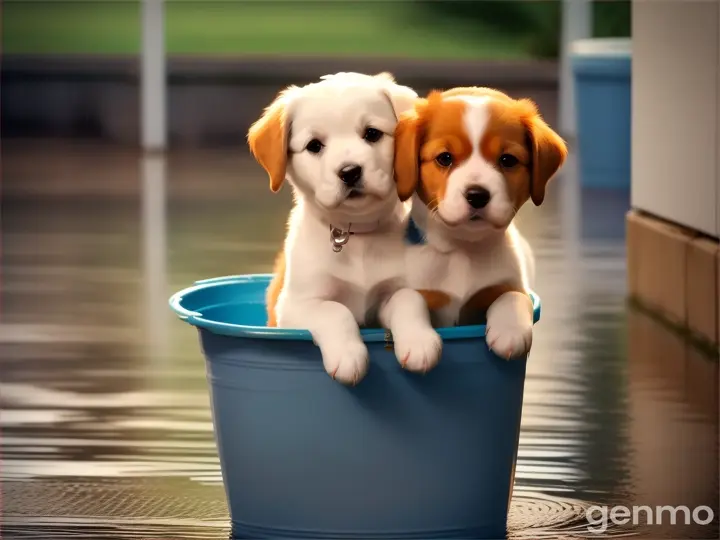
(413, 235)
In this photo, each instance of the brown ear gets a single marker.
(267, 139)
(548, 154)
(407, 154)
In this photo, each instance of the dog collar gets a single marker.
(413, 235)
(339, 236)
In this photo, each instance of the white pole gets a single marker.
(154, 254)
(152, 76)
(576, 24)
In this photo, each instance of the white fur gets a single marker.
(476, 171)
(463, 256)
(331, 293)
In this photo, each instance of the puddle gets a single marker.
(537, 516)
(106, 429)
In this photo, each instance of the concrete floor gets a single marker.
(106, 429)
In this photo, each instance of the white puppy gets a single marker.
(477, 156)
(343, 260)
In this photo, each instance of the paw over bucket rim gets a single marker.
(368, 335)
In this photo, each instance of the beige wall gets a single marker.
(676, 111)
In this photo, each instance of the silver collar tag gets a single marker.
(338, 238)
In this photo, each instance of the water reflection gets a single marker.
(106, 428)
(154, 255)
(673, 417)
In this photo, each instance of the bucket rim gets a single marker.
(196, 319)
(605, 47)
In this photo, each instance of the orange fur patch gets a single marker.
(407, 139)
(267, 139)
(434, 299)
(443, 131)
(515, 127)
(274, 289)
(475, 309)
(549, 152)
(477, 91)
(506, 133)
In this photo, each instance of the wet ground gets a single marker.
(106, 429)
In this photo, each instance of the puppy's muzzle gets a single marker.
(351, 175)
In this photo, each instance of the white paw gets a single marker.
(346, 362)
(418, 350)
(508, 339)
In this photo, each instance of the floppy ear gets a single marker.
(267, 139)
(407, 154)
(548, 154)
(402, 98)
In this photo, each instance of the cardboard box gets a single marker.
(657, 270)
(702, 289)
(633, 239)
(675, 272)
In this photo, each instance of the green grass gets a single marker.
(335, 28)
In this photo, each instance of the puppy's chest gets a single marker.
(459, 275)
(364, 273)
(365, 261)
(451, 273)
(468, 273)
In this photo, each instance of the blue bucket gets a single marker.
(398, 456)
(603, 93)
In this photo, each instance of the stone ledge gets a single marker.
(212, 101)
(242, 69)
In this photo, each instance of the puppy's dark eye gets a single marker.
(314, 146)
(372, 135)
(508, 161)
(444, 159)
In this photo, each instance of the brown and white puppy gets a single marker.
(477, 156)
(343, 263)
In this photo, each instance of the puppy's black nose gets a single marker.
(477, 197)
(351, 175)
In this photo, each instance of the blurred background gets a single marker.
(71, 68)
(415, 29)
(106, 427)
